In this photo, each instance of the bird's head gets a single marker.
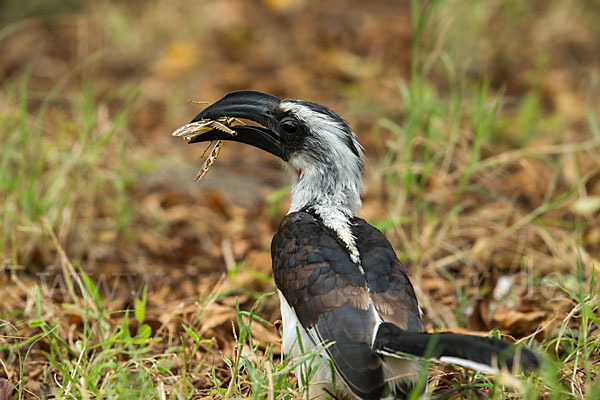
(316, 142)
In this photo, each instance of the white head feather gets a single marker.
(329, 166)
(330, 163)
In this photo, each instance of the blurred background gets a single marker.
(479, 118)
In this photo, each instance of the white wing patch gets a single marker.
(486, 369)
(320, 384)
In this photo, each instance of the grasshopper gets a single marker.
(195, 129)
(212, 157)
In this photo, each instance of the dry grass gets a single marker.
(121, 279)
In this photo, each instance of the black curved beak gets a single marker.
(248, 104)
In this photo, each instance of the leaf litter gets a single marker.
(184, 249)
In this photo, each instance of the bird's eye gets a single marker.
(289, 127)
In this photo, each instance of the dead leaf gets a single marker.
(280, 6)
(265, 335)
(153, 245)
(216, 315)
(517, 322)
(6, 388)
(216, 202)
(258, 261)
(177, 59)
(478, 320)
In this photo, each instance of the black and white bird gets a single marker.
(339, 281)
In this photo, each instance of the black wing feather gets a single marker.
(353, 357)
(391, 291)
(313, 270)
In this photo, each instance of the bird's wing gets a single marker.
(328, 293)
(402, 332)
(390, 289)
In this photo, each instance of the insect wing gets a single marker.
(223, 127)
(192, 128)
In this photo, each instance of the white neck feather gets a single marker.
(326, 187)
(335, 200)
(330, 173)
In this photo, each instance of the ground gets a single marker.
(122, 278)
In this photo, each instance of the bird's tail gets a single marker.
(479, 353)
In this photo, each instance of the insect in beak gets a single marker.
(194, 129)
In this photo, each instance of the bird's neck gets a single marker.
(334, 196)
(325, 187)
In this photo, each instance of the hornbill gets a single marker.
(340, 283)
